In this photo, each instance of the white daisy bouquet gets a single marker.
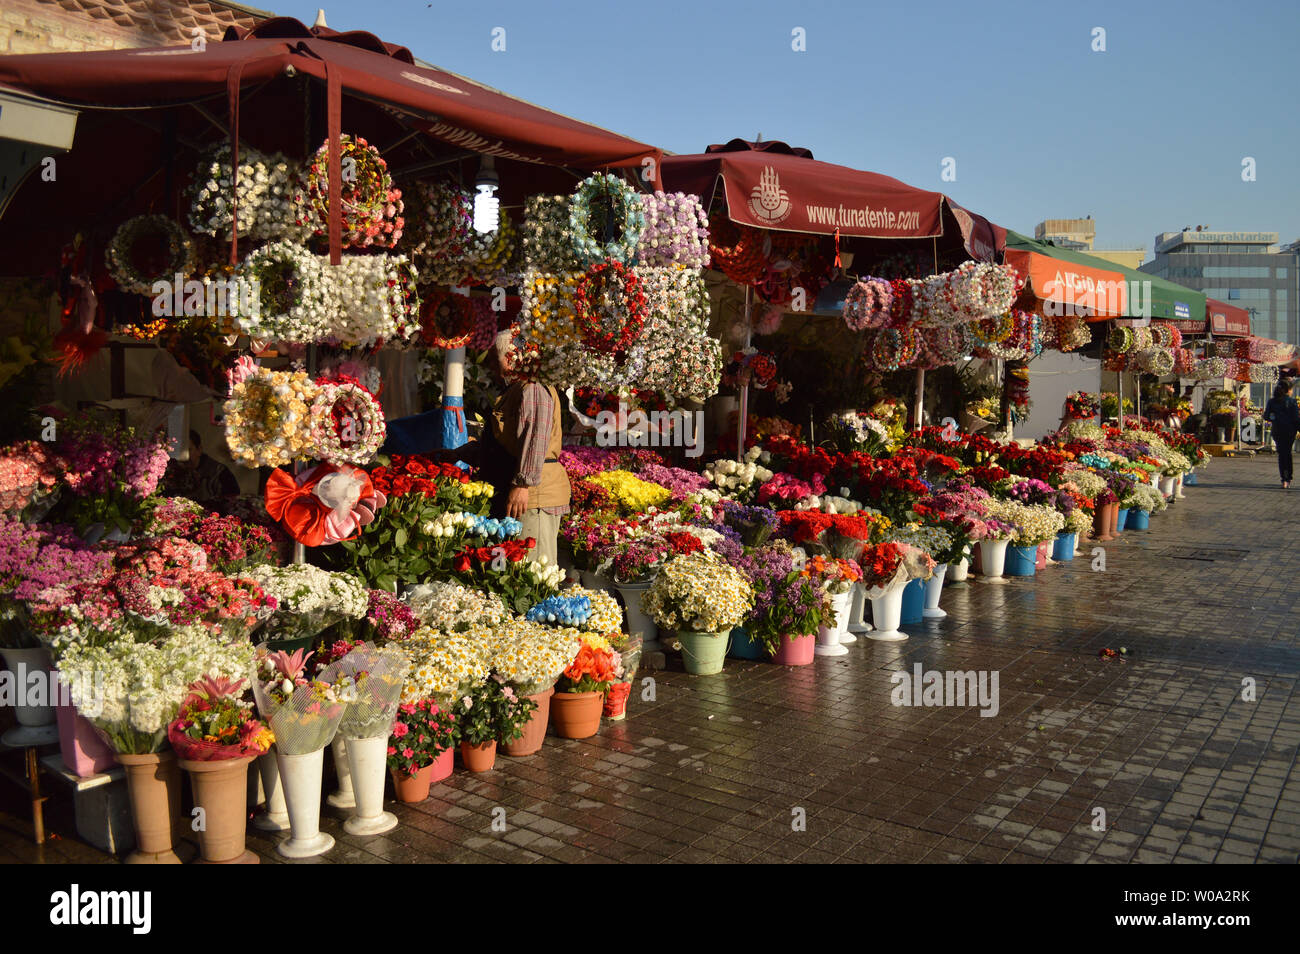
(700, 593)
(309, 599)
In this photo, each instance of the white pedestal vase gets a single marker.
(1178, 488)
(933, 588)
(1167, 486)
(368, 759)
(858, 612)
(344, 797)
(276, 817)
(301, 777)
(829, 633)
(957, 572)
(843, 605)
(37, 724)
(887, 614)
(993, 557)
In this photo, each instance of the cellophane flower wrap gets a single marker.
(131, 691)
(303, 713)
(698, 592)
(216, 724)
(309, 599)
(370, 680)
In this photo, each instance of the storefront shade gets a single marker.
(1144, 295)
(1226, 321)
(772, 185)
(1065, 282)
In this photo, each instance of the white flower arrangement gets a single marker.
(303, 589)
(546, 236)
(532, 656)
(606, 615)
(293, 295)
(445, 664)
(698, 592)
(364, 300)
(1034, 523)
(731, 477)
(828, 503)
(452, 607)
(266, 188)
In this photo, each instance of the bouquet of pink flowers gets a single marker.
(303, 713)
(29, 477)
(110, 470)
(215, 723)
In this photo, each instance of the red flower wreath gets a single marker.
(737, 251)
(593, 319)
(447, 320)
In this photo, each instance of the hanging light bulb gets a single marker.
(487, 207)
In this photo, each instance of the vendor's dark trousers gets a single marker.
(1283, 443)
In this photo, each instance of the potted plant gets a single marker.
(216, 736)
(487, 713)
(580, 690)
(789, 606)
(886, 570)
(304, 715)
(422, 748)
(702, 598)
(632, 566)
(837, 578)
(531, 656)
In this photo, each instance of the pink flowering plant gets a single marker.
(109, 471)
(29, 479)
(421, 732)
(39, 566)
(228, 543)
(492, 711)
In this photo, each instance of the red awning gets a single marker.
(772, 185)
(455, 110)
(1227, 321)
(1065, 287)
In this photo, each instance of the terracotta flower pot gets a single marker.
(479, 758)
(153, 783)
(535, 730)
(221, 790)
(576, 715)
(415, 788)
(1102, 521)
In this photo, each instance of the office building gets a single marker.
(1081, 235)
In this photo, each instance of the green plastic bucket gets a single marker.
(703, 653)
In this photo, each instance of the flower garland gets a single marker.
(347, 422)
(265, 188)
(268, 418)
(1072, 333)
(1120, 340)
(546, 239)
(893, 348)
(293, 296)
(867, 304)
(993, 331)
(447, 320)
(370, 298)
(127, 261)
(609, 292)
(738, 251)
(676, 231)
(1157, 361)
(945, 345)
(751, 367)
(605, 204)
(371, 208)
(444, 223)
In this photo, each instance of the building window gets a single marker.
(1234, 293)
(1281, 273)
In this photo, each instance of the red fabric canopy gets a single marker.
(457, 111)
(772, 185)
(1227, 321)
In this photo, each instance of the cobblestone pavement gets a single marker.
(722, 768)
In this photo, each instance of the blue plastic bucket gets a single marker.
(1139, 520)
(1121, 521)
(913, 602)
(1063, 548)
(744, 646)
(1021, 561)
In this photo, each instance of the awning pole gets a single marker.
(920, 397)
(744, 388)
(1119, 378)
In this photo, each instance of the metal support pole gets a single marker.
(920, 398)
(743, 410)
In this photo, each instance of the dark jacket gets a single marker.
(1284, 415)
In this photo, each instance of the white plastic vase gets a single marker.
(858, 612)
(301, 777)
(1167, 486)
(637, 620)
(957, 572)
(37, 724)
(842, 604)
(1178, 488)
(829, 641)
(993, 558)
(933, 588)
(276, 816)
(344, 797)
(368, 759)
(887, 614)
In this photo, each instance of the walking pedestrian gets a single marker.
(1284, 415)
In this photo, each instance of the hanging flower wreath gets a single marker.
(447, 320)
(1072, 333)
(946, 345)
(293, 294)
(676, 231)
(992, 331)
(148, 249)
(737, 251)
(867, 304)
(488, 254)
(265, 188)
(902, 299)
(1121, 339)
(347, 422)
(606, 219)
(545, 242)
(609, 293)
(406, 280)
(1116, 361)
(444, 221)
(1161, 335)
(893, 348)
(1157, 361)
(1184, 362)
(1142, 339)
(268, 417)
(372, 208)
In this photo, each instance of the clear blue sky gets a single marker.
(1148, 136)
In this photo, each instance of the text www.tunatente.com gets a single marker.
(1203, 921)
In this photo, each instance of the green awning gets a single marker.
(1148, 296)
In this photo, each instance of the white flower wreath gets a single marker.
(293, 294)
(121, 262)
(356, 442)
(624, 203)
(268, 418)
